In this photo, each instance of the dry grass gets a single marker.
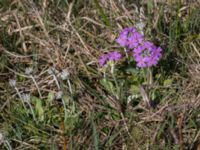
(63, 39)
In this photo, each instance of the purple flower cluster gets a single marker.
(130, 38)
(111, 56)
(145, 53)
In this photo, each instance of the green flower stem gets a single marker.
(149, 76)
(148, 79)
(115, 80)
(36, 86)
(20, 96)
(65, 110)
(32, 110)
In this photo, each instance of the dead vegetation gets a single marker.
(52, 93)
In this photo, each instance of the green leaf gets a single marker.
(135, 89)
(114, 115)
(50, 97)
(95, 133)
(102, 14)
(150, 6)
(168, 82)
(132, 70)
(108, 85)
(38, 108)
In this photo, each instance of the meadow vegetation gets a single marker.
(55, 95)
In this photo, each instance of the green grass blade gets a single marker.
(102, 13)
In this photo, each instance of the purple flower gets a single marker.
(111, 56)
(130, 38)
(135, 40)
(147, 54)
(122, 39)
(115, 56)
(103, 60)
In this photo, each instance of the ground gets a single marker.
(55, 95)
